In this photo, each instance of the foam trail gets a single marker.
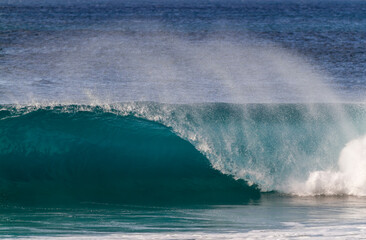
(350, 179)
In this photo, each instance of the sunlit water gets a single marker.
(272, 217)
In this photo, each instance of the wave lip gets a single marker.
(57, 157)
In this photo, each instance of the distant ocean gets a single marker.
(183, 119)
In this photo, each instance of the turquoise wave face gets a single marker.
(161, 153)
(48, 156)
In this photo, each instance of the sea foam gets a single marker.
(349, 179)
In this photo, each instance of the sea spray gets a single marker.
(126, 66)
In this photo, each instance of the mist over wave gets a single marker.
(257, 112)
(159, 66)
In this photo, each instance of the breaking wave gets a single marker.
(146, 152)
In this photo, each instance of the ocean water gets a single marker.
(188, 119)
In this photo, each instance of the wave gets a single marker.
(53, 155)
(146, 152)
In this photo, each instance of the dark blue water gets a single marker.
(182, 119)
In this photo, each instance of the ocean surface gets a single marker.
(157, 119)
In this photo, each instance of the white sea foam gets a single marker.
(357, 231)
(349, 179)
